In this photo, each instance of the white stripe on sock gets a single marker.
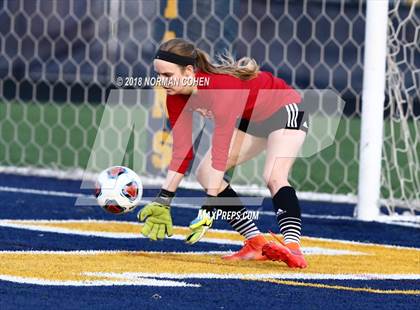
(288, 115)
(296, 115)
(290, 226)
(290, 218)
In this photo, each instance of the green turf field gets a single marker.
(61, 136)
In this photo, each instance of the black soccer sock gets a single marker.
(287, 209)
(242, 222)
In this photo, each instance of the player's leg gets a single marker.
(283, 146)
(243, 148)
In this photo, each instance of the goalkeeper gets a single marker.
(245, 125)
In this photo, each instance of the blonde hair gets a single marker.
(245, 68)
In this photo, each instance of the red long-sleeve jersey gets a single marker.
(228, 98)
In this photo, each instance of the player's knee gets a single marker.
(231, 162)
(232, 159)
(274, 184)
(275, 181)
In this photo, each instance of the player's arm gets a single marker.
(225, 116)
(181, 119)
(157, 213)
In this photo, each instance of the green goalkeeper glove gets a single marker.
(157, 217)
(201, 223)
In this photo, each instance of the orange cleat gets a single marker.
(289, 253)
(252, 250)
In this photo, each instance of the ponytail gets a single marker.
(245, 68)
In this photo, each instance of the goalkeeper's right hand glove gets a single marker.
(201, 223)
(158, 217)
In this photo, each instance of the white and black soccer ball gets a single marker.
(118, 190)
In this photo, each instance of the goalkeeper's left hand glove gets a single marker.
(202, 222)
(158, 221)
(157, 217)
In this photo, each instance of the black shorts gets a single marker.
(288, 117)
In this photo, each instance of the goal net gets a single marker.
(401, 146)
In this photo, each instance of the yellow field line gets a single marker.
(344, 288)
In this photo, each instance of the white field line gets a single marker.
(283, 276)
(33, 191)
(306, 250)
(137, 282)
(172, 279)
(99, 252)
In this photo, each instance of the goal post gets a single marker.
(373, 100)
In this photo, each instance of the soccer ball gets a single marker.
(118, 190)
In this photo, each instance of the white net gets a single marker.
(59, 60)
(401, 148)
